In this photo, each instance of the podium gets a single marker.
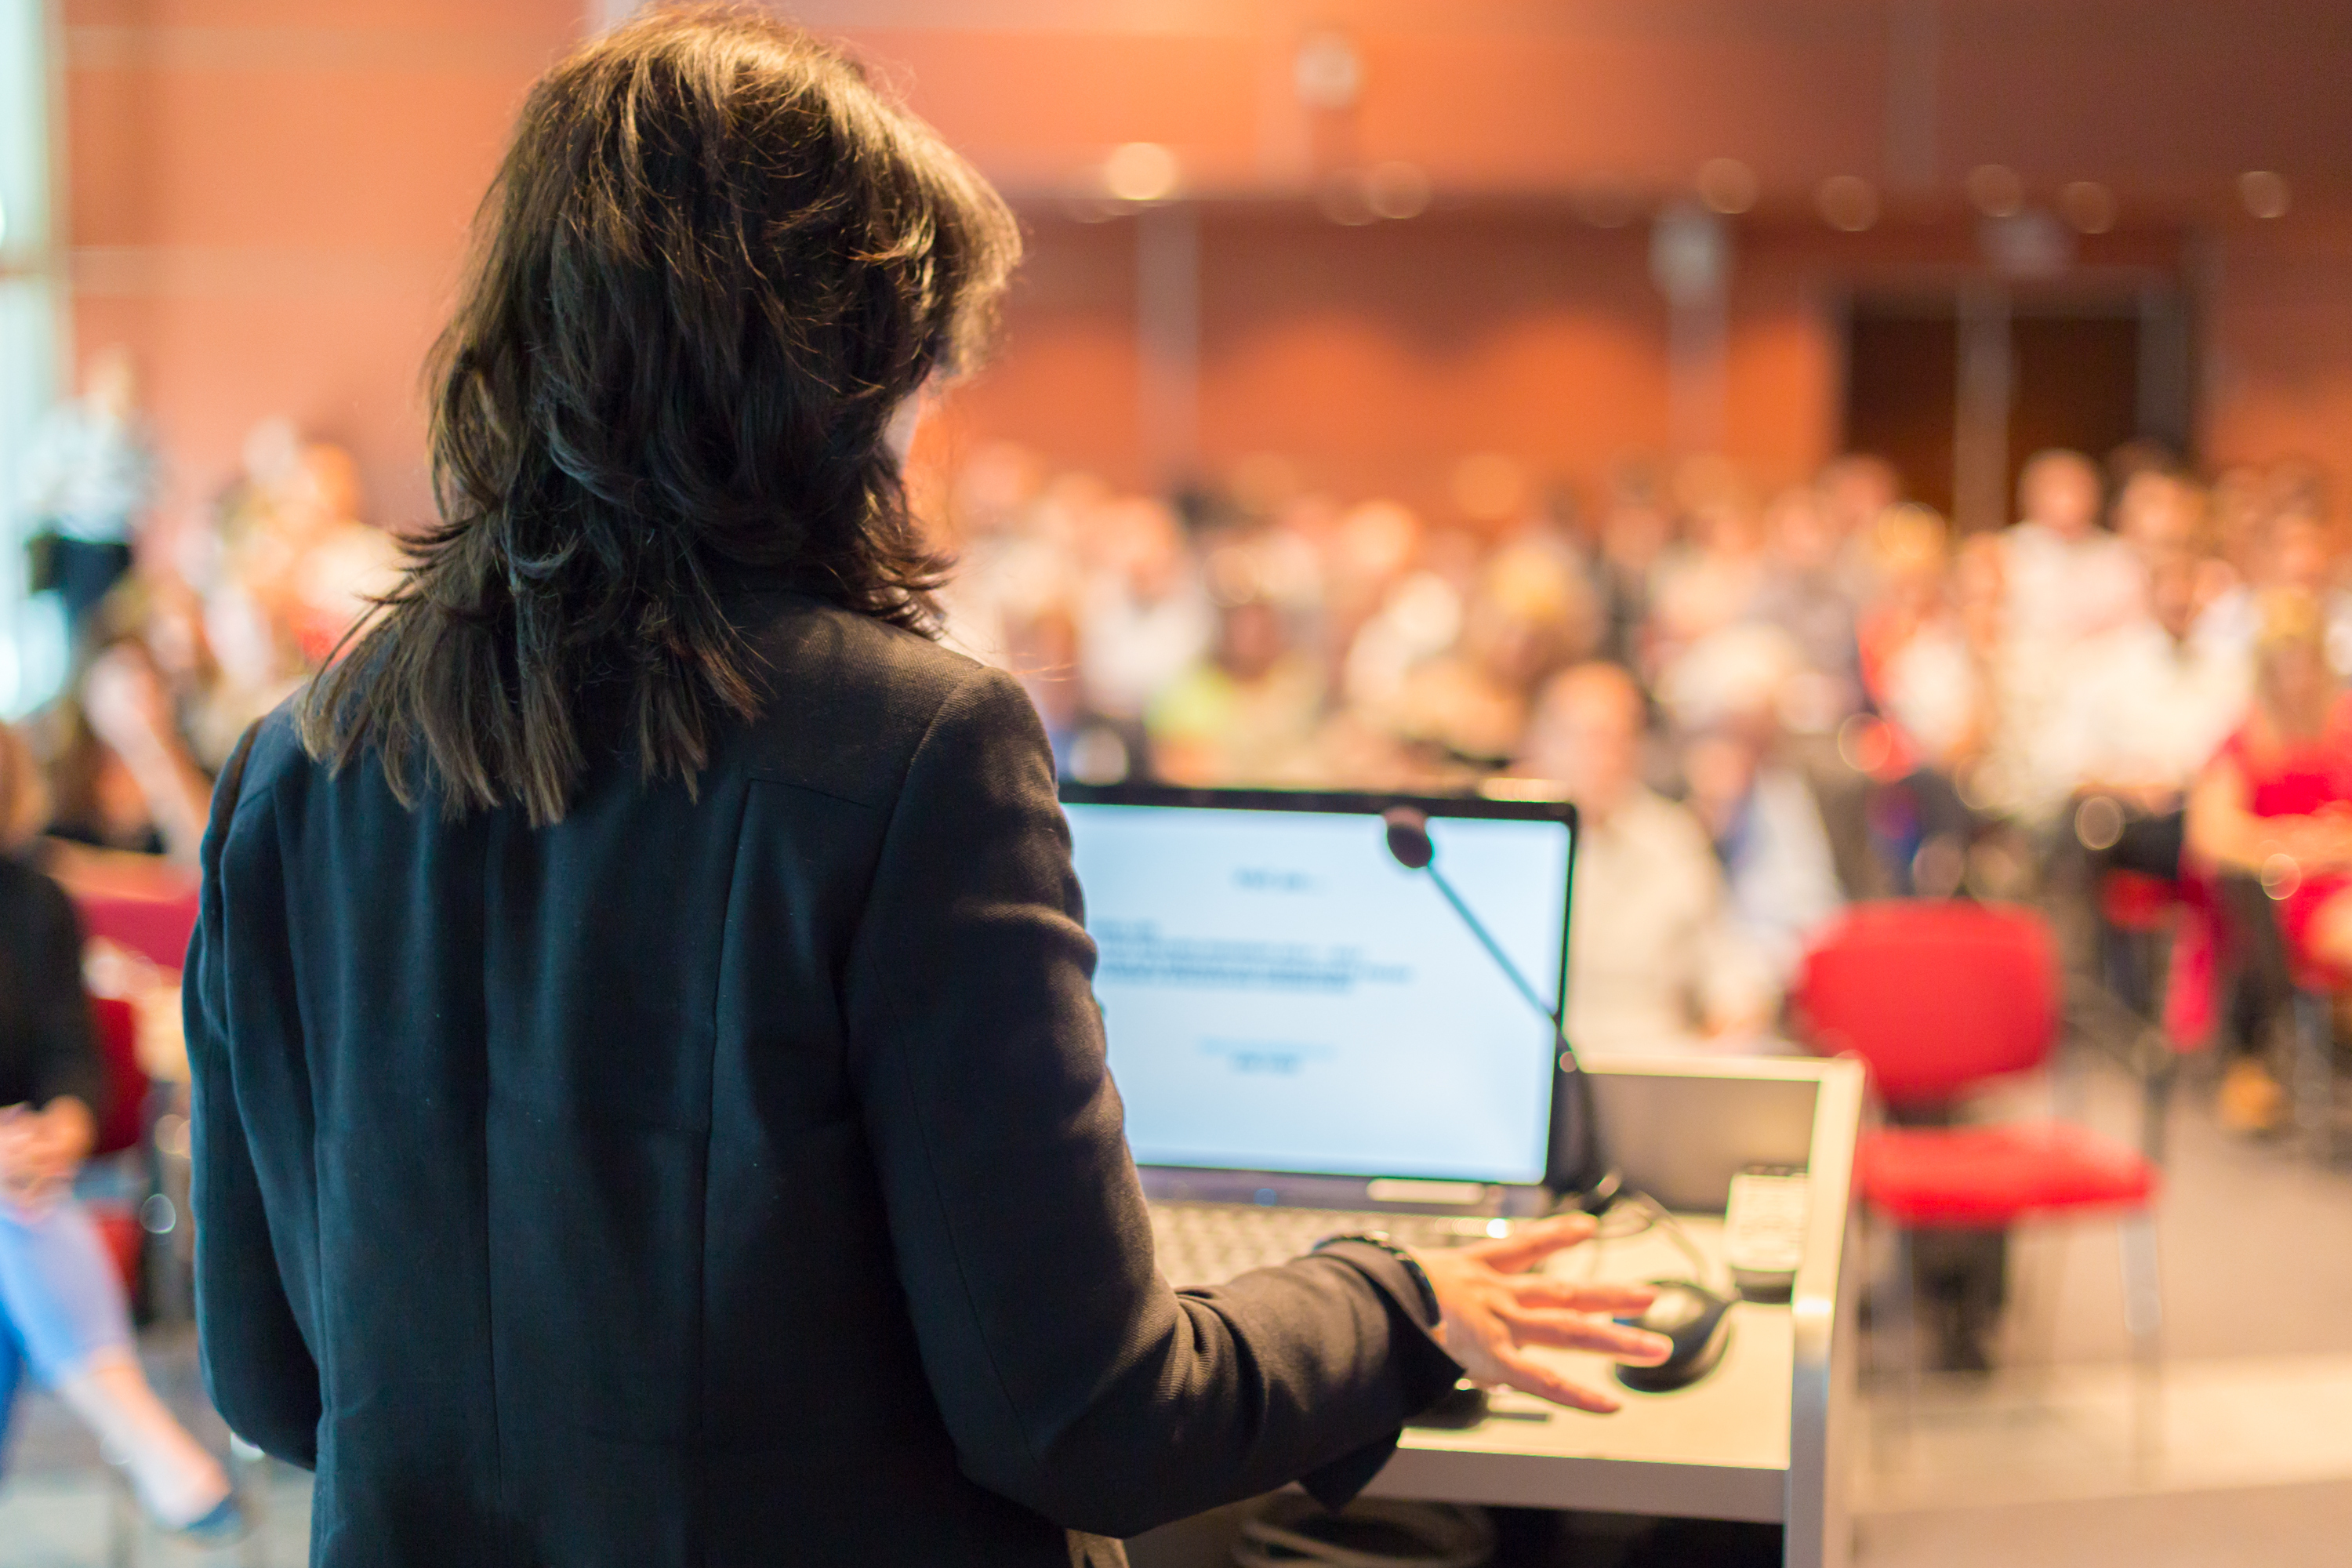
(1763, 1438)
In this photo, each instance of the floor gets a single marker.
(2042, 1463)
(2035, 1466)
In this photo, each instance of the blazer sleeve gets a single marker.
(257, 1366)
(1072, 1378)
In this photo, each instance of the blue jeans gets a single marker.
(60, 1299)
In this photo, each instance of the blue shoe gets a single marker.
(226, 1525)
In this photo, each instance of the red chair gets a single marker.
(156, 926)
(123, 1128)
(1937, 999)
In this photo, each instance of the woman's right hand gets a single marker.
(1495, 1309)
(40, 1151)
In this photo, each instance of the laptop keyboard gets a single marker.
(1208, 1243)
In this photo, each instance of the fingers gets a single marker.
(1531, 1244)
(1530, 1376)
(1583, 1331)
(1582, 1295)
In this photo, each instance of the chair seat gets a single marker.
(158, 927)
(1984, 1178)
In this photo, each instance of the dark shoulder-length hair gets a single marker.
(713, 263)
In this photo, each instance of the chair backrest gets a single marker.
(1933, 996)
(123, 1122)
(156, 928)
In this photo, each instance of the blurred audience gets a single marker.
(2271, 819)
(1766, 708)
(1765, 703)
(220, 613)
(85, 482)
(1659, 961)
(63, 1316)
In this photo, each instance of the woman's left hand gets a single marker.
(1495, 1310)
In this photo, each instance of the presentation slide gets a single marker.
(1282, 995)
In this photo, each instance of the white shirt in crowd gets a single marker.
(2142, 708)
(1934, 690)
(2062, 590)
(2234, 619)
(1131, 648)
(86, 475)
(1654, 954)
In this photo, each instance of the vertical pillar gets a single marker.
(33, 340)
(1690, 261)
(2164, 392)
(1167, 339)
(1980, 426)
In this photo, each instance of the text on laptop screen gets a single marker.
(1280, 995)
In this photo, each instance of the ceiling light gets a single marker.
(1995, 190)
(1329, 73)
(1397, 190)
(1140, 172)
(1847, 202)
(2264, 193)
(1727, 185)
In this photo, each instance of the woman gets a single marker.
(2272, 811)
(650, 1105)
(61, 1309)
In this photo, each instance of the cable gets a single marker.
(1370, 1533)
(1638, 1214)
(1702, 1270)
(1622, 1222)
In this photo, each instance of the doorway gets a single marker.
(1959, 386)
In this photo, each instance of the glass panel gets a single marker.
(31, 635)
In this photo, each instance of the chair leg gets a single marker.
(2143, 1317)
(2313, 1074)
(1904, 1313)
(2160, 1069)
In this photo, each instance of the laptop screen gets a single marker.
(1281, 995)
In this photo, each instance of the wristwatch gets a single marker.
(1382, 1240)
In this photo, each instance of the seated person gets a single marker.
(61, 1306)
(1657, 962)
(1244, 715)
(2147, 707)
(2272, 815)
(1768, 832)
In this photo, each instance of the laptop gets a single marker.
(1307, 1040)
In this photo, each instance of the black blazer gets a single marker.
(727, 1176)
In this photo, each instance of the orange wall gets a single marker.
(1376, 358)
(268, 201)
(2166, 102)
(2279, 360)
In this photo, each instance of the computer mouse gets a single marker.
(1697, 1319)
